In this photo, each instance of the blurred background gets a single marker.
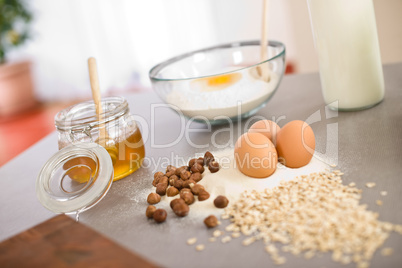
(51, 41)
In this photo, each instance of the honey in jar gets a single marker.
(80, 124)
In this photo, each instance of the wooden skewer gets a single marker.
(264, 70)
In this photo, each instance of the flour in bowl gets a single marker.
(209, 97)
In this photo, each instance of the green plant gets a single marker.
(14, 25)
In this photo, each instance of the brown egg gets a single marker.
(266, 127)
(255, 155)
(295, 144)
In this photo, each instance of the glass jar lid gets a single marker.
(75, 178)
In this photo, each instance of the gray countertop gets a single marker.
(367, 146)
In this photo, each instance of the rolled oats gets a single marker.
(311, 214)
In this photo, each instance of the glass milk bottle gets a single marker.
(346, 41)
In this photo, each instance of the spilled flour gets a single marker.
(230, 182)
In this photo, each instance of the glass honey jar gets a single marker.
(121, 137)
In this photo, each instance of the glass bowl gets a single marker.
(220, 83)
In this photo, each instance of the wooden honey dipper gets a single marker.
(104, 139)
(263, 70)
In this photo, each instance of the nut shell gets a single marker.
(178, 184)
(183, 191)
(208, 157)
(213, 166)
(173, 179)
(158, 174)
(171, 170)
(160, 215)
(200, 160)
(153, 198)
(221, 201)
(150, 211)
(181, 209)
(197, 168)
(203, 195)
(191, 162)
(211, 221)
(197, 188)
(176, 201)
(179, 170)
(170, 173)
(163, 179)
(161, 188)
(185, 175)
(172, 191)
(188, 197)
(188, 183)
(196, 177)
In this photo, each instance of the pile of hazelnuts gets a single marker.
(182, 181)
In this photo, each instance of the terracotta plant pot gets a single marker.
(16, 88)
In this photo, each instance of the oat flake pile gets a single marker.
(312, 213)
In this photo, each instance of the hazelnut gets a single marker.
(188, 183)
(221, 201)
(184, 190)
(200, 161)
(191, 162)
(181, 169)
(208, 157)
(196, 177)
(172, 180)
(172, 191)
(153, 198)
(181, 209)
(158, 174)
(178, 184)
(213, 166)
(197, 168)
(170, 173)
(196, 189)
(203, 195)
(163, 179)
(188, 197)
(175, 202)
(211, 221)
(161, 188)
(150, 211)
(170, 170)
(160, 215)
(185, 175)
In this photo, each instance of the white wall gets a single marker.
(128, 37)
(290, 23)
(389, 26)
